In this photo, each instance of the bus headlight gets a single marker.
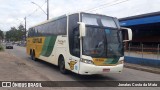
(121, 62)
(87, 61)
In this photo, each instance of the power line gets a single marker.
(100, 1)
(92, 9)
(115, 4)
(29, 16)
(100, 5)
(107, 4)
(21, 21)
(36, 9)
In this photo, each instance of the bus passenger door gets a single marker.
(75, 59)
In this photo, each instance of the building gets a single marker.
(145, 28)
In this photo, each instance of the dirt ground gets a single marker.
(15, 69)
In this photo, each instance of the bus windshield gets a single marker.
(99, 20)
(102, 42)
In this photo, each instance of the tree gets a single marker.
(15, 34)
(1, 35)
(21, 27)
(11, 34)
(21, 31)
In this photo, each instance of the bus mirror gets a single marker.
(129, 32)
(82, 28)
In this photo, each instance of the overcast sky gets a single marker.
(12, 12)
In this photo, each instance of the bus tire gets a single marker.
(33, 56)
(61, 65)
(30, 54)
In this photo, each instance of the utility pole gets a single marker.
(43, 10)
(25, 29)
(47, 9)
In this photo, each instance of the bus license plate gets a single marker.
(106, 70)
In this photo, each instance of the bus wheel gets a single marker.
(33, 56)
(62, 65)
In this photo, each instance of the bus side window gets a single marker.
(76, 42)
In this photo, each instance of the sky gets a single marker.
(12, 12)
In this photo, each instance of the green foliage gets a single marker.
(15, 34)
(1, 48)
(1, 35)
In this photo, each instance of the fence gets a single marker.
(143, 54)
(144, 51)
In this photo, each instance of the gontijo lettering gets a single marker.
(37, 40)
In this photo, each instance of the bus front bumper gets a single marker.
(89, 69)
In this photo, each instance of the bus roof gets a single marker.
(65, 15)
(53, 19)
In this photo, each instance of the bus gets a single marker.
(84, 43)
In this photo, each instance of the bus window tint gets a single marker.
(108, 22)
(73, 19)
(57, 27)
(89, 20)
(99, 20)
(76, 42)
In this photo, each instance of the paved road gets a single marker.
(50, 72)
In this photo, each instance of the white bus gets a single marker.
(83, 43)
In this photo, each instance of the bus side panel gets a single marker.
(71, 62)
(59, 49)
(48, 48)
